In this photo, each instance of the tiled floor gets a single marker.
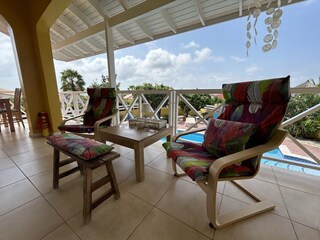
(161, 207)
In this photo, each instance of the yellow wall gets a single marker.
(30, 22)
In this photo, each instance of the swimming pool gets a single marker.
(275, 153)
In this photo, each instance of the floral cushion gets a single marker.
(226, 137)
(195, 161)
(84, 148)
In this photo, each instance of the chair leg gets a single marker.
(233, 216)
(174, 168)
(21, 119)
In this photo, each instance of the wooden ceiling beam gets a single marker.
(79, 14)
(98, 8)
(144, 28)
(166, 17)
(200, 12)
(134, 12)
(125, 35)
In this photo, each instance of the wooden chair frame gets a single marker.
(96, 126)
(210, 187)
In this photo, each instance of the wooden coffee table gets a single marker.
(136, 139)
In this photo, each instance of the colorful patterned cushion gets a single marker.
(84, 148)
(195, 161)
(76, 128)
(271, 91)
(226, 137)
(262, 103)
(102, 103)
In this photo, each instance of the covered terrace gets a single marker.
(161, 207)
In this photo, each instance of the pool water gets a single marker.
(275, 153)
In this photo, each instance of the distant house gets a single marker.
(310, 83)
(307, 84)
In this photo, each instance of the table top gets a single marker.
(132, 133)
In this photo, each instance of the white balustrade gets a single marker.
(130, 102)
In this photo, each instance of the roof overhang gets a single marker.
(79, 32)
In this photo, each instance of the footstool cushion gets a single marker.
(84, 148)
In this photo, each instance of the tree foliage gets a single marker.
(309, 126)
(105, 83)
(153, 99)
(198, 101)
(71, 80)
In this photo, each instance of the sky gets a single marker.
(204, 58)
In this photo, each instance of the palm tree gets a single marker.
(71, 81)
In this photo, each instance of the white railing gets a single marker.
(73, 103)
(130, 102)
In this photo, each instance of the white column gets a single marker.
(110, 53)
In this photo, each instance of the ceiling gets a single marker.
(79, 32)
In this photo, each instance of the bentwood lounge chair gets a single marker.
(100, 111)
(234, 143)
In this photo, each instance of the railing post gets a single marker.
(76, 111)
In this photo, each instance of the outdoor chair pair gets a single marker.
(100, 111)
(16, 109)
(234, 143)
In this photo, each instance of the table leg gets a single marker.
(169, 138)
(139, 162)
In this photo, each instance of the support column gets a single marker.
(30, 23)
(110, 53)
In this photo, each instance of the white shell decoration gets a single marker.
(256, 12)
(248, 26)
(248, 44)
(268, 38)
(270, 10)
(266, 47)
(277, 14)
(276, 24)
(269, 29)
(268, 20)
(272, 22)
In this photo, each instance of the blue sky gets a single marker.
(204, 58)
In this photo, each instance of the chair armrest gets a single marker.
(97, 123)
(64, 121)
(175, 138)
(237, 157)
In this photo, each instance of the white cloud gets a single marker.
(151, 45)
(157, 66)
(202, 55)
(191, 44)
(8, 71)
(238, 59)
(251, 70)
(218, 59)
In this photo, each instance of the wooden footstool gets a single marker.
(89, 155)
